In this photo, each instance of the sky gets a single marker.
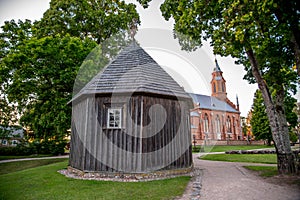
(190, 70)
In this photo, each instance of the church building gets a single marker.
(215, 117)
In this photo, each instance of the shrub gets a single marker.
(24, 149)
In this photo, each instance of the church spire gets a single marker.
(237, 103)
(218, 83)
(217, 68)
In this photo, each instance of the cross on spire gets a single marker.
(217, 68)
(133, 28)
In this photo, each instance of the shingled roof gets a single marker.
(133, 70)
(211, 103)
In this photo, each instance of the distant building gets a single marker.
(215, 117)
(10, 136)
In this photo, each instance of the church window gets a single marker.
(114, 117)
(214, 86)
(218, 124)
(228, 125)
(206, 129)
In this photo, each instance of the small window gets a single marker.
(14, 142)
(4, 142)
(114, 118)
(214, 86)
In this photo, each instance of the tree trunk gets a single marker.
(286, 163)
(277, 119)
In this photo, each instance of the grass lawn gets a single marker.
(264, 171)
(10, 167)
(44, 182)
(252, 158)
(223, 148)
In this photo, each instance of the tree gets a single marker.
(94, 19)
(42, 81)
(263, 36)
(296, 129)
(259, 121)
(39, 61)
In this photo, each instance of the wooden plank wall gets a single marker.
(130, 149)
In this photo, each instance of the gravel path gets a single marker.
(230, 181)
(41, 158)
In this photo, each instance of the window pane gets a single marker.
(114, 118)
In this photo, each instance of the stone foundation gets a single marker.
(126, 177)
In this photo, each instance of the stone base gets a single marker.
(126, 177)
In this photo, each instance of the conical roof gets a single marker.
(133, 70)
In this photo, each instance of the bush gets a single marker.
(197, 149)
(19, 150)
(24, 149)
(53, 147)
(293, 136)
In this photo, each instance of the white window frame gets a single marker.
(114, 112)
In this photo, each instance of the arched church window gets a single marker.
(206, 129)
(214, 88)
(228, 125)
(218, 124)
(223, 87)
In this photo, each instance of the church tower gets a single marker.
(218, 86)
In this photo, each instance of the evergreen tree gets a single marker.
(259, 121)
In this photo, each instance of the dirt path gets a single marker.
(230, 181)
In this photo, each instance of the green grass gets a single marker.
(45, 182)
(221, 148)
(19, 157)
(264, 171)
(252, 158)
(10, 167)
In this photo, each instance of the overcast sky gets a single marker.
(191, 70)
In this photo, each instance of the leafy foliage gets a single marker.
(93, 19)
(237, 26)
(42, 72)
(39, 63)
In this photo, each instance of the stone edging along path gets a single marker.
(230, 180)
(259, 151)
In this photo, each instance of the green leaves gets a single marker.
(43, 72)
(259, 121)
(93, 19)
(39, 62)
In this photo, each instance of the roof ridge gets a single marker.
(133, 69)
